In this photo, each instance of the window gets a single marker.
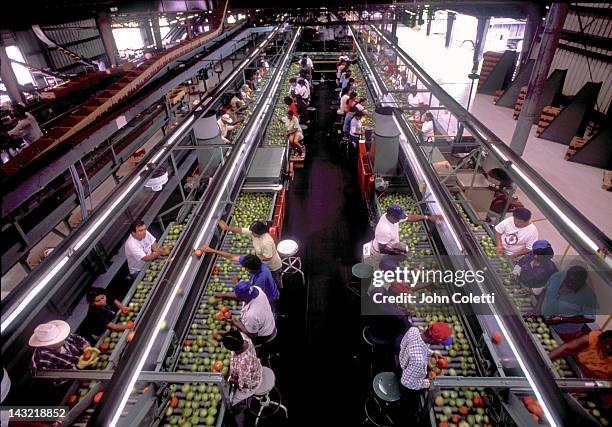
(128, 39)
(21, 73)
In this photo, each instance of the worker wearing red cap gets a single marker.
(414, 357)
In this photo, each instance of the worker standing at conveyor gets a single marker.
(226, 124)
(140, 248)
(386, 236)
(101, 314)
(258, 271)
(55, 347)
(414, 358)
(256, 316)
(264, 245)
(515, 236)
(27, 127)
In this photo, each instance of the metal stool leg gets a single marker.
(293, 264)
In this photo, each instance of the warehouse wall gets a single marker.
(81, 37)
(584, 68)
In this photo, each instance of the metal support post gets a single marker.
(481, 35)
(104, 27)
(450, 21)
(146, 33)
(548, 46)
(76, 180)
(532, 26)
(176, 173)
(156, 32)
(430, 14)
(394, 27)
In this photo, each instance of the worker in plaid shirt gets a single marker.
(414, 357)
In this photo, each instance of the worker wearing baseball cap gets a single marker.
(414, 358)
(256, 317)
(533, 270)
(386, 236)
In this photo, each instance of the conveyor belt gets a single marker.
(460, 355)
(136, 299)
(201, 348)
(113, 344)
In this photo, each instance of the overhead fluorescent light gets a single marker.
(586, 239)
(32, 294)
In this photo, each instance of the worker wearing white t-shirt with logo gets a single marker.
(516, 235)
(386, 236)
(140, 248)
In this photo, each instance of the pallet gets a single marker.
(575, 145)
(489, 61)
(607, 181)
(519, 102)
(548, 115)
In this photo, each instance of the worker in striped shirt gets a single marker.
(414, 357)
(55, 347)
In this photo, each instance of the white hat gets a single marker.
(227, 118)
(51, 333)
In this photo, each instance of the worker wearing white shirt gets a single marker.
(515, 236)
(386, 236)
(414, 99)
(428, 127)
(355, 129)
(27, 127)
(302, 89)
(140, 248)
(225, 125)
(308, 61)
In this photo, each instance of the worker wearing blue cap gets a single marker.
(386, 236)
(256, 317)
(533, 270)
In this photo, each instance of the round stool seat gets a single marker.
(268, 379)
(311, 109)
(362, 270)
(287, 247)
(315, 83)
(386, 386)
(338, 89)
(304, 127)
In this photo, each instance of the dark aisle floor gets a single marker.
(316, 372)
